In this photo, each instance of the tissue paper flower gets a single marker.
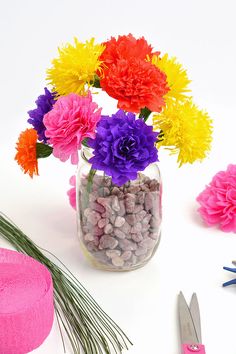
(125, 47)
(26, 152)
(72, 192)
(75, 67)
(177, 77)
(218, 200)
(123, 146)
(136, 84)
(44, 104)
(186, 130)
(72, 119)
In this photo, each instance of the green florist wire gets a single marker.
(89, 329)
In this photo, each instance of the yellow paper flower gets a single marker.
(75, 67)
(177, 77)
(186, 131)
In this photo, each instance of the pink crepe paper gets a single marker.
(26, 303)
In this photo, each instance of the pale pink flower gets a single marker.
(72, 119)
(218, 200)
(72, 192)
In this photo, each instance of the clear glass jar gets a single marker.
(119, 227)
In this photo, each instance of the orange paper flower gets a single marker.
(26, 152)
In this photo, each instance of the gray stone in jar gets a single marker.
(91, 246)
(93, 217)
(154, 185)
(118, 233)
(88, 237)
(127, 245)
(138, 208)
(103, 222)
(136, 228)
(115, 191)
(140, 215)
(115, 204)
(133, 189)
(97, 207)
(146, 219)
(126, 255)
(97, 231)
(144, 188)
(145, 228)
(108, 229)
(112, 219)
(154, 235)
(117, 261)
(129, 202)
(113, 253)
(106, 191)
(130, 218)
(105, 202)
(147, 243)
(140, 251)
(154, 223)
(125, 228)
(107, 241)
(145, 234)
(148, 201)
(119, 221)
(121, 211)
(137, 237)
(140, 197)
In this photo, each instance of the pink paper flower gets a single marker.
(72, 192)
(72, 119)
(218, 200)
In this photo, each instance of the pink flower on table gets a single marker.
(72, 192)
(218, 200)
(72, 119)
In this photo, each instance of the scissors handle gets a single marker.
(193, 348)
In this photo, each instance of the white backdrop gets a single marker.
(190, 257)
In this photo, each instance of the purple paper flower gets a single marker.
(123, 146)
(44, 104)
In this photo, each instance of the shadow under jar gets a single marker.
(119, 227)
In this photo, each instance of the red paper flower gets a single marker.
(136, 84)
(126, 47)
(218, 200)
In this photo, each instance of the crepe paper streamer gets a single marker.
(26, 303)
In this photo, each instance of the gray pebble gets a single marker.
(131, 219)
(103, 222)
(121, 211)
(140, 215)
(91, 247)
(148, 201)
(140, 251)
(93, 217)
(125, 228)
(137, 237)
(140, 197)
(136, 228)
(107, 242)
(146, 219)
(154, 235)
(115, 204)
(126, 255)
(147, 243)
(130, 202)
(106, 191)
(127, 245)
(97, 207)
(117, 261)
(108, 229)
(112, 219)
(88, 237)
(118, 233)
(113, 253)
(115, 191)
(138, 208)
(119, 221)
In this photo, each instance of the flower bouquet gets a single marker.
(118, 186)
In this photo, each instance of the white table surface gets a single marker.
(190, 257)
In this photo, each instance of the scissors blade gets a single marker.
(187, 329)
(195, 313)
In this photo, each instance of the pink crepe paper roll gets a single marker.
(26, 303)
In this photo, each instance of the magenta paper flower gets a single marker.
(72, 192)
(218, 200)
(72, 119)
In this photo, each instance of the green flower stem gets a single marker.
(145, 113)
(88, 328)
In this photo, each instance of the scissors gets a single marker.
(190, 325)
(233, 270)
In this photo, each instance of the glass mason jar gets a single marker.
(119, 227)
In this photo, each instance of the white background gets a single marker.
(190, 257)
